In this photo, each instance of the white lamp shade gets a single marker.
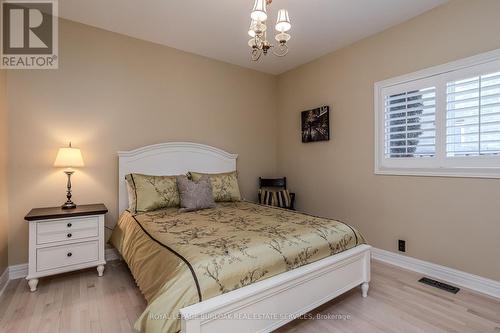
(259, 12)
(283, 23)
(69, 158)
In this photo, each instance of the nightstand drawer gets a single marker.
(66, 255)
(67, 224)
(44, 238)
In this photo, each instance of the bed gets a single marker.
(236, 267)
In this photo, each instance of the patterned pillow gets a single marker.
(154, 192)
(131, 193)
(195, 195)
(277, 198)
(224, 185)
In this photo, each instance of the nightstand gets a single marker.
(63, 240)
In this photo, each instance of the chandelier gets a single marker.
(258, 31)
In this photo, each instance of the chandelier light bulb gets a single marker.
(283, 23)
(259, 12)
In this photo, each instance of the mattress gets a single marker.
(179, 259)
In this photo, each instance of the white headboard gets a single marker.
(173, 158)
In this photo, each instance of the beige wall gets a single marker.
(449, 221)
(115, 93)
(3, 174)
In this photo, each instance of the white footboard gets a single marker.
(271, 303)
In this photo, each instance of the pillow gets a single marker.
(195, 195)
(224, 185)
(154, 192)
(131, 193)
(277, 198)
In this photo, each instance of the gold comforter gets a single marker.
(179, 259)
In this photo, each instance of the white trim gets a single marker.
(475, 167)
(18, 271)
(4, 279)
(21, 271)
(450, 275)
(172, 158)
(459, 173)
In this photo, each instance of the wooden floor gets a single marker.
(82, 302)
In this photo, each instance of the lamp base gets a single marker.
(68, 205)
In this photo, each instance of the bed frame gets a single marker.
(273, 301)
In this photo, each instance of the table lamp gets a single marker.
(69, 158)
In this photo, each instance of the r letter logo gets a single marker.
(29, 34)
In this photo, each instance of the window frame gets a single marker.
(440, 164)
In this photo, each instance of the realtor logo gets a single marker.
(29, 34)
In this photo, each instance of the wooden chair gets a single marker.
(276, 183)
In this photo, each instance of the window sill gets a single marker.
(441, 172)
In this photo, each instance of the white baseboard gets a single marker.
(450, 275)
(21, 271)
(446, 274)
(18, 271)
(4, 278)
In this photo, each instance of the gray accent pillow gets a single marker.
(195, 195)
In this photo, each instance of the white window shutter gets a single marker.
(410, 124)
(473, 116)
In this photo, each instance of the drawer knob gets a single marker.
(69, 225)
(69, 235)
(69, 254)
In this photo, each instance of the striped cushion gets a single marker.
(277, 198)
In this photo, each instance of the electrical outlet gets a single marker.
(402, 245)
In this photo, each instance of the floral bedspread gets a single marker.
(179, 259)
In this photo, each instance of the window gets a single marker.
(443, 121)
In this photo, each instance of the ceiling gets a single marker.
(218, 29)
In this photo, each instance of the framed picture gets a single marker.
(316, 124)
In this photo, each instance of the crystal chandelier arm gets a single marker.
(256, 54)
(280, 50)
